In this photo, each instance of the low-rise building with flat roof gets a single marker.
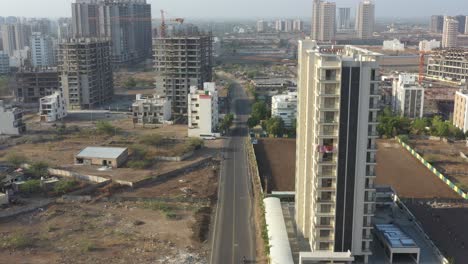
(52, 107)
(284, 106)
(151, 109)
(11, 120)
(102, 156)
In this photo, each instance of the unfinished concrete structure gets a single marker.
(11, 120)
(448, 65)
(151, 109)
(182, 61)
(85, 72)
(127, 23)
(31, 84)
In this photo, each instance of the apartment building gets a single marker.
(52, 107)
(460, 112)
(448, 65)
(450, 33)
(180, 62)
(4, 63)
(408, 96)
(338, 102)
(127, 23)
(11, 120)
(323, 21)
(203, 114)
(15, 36)
(437, 24)
(365, 20)
(393, 45)
(285, 107)
(85, 72)
(31, 84)
(344, 18)
(42, 50)
(261, 26)
(151, 109)
(429, 45)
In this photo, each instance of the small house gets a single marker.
(102, 156)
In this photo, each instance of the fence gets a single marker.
(253, 166)
(434, 170)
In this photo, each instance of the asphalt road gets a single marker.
(233, 236)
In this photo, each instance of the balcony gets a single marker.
(369, 199)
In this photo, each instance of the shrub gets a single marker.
(38, 170)
(87, 246)
(16, 159)
(17, 241)
(194, 144)
(404, 138)
(31, 186)
(107, 128)
(139, 164)
(430, 158)
(153, 140)
(63, 187)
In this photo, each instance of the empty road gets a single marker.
(233, 236)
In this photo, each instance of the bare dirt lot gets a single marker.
(445, 223)
(276, 163)
(445, 156)
(408, 176)
(164, 223)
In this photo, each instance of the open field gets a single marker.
(445, 223)
(276, 161)
(445, 156)
(407, 175)
(164, 223)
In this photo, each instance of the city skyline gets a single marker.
(228, 9)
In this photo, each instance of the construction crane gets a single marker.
(162, 33)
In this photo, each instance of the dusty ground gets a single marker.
(154, 224)
(445, 223)
(408, 176)
(446, 158)
(276, 162)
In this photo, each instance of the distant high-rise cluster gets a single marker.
(438, 22)
(324, 23)
(450, 33)
(127, 23)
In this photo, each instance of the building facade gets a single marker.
(181, 62)
(11, 119)
(285, 107)
(448, 65)
(42, 50)
(408, 96)
(365, 20)
(429, 45)
(336, 148)
(85, 72)
(31, 84)
(298, 25)
(127, 23)
(52, 107)
(261, 26)
(450, 33)
(461, 23)
(393, 45)
(203, 114)
(460, 112)
(151, 110)
(4, 63)
(323, 21)
(344, 18)
(437, 24)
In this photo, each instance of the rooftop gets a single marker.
(395, 236)
(101, 152)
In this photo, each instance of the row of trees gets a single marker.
(275, 126)
(391, 125)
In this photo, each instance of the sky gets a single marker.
(244, 8)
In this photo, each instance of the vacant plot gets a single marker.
(408, 176)
(445, 223)
(163, 223)
(445, 156)
(276, 160)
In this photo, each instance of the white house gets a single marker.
(285, 107)
(203, 115)
(408, 96)
(393, 45)
(151, 109)
(52, 107)
(11, 120)
(428, 45)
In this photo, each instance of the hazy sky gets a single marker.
(243, 8)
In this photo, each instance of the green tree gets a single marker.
(131, 83)
(153, 140)
(104, 127)
(252, 122)
(418, 126)
(38, 170)
(275, 126)
(260, 111)
(16, 160)
(226, 122)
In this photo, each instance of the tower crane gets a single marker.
(179, 21)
